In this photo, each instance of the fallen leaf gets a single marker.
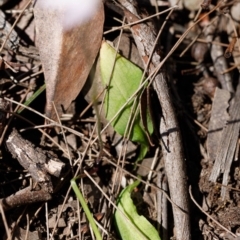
(66, 55)
(130, 225)
(125, 80)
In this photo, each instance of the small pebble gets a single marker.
(235, 11)
(192, 5)
(209, 86)
(198, 51)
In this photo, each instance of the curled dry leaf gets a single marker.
(67, 55)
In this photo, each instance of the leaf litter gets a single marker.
(202, 95)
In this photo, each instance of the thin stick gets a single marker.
(204, 41)
(91, 103)
(46, 216)
(5, 223)
(28, 225)
(79, 220)
(151, 169)
(141, 20)
(64, 135)
(45, 117)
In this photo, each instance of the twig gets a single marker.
(5, 222)
(171, 144)
(46, 215)
(64, 135)
(141, 20)
(28, 225)
(150, 173)
(27, 195)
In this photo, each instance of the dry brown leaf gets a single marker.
(67, 55)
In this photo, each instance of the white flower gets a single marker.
(76, 12)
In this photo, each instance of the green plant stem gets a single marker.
(85, 209)
(33, 97)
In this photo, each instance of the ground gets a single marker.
(195, 118)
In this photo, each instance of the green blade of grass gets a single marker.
(85, 209)
(32, 98)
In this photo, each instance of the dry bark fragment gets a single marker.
(171, 140)
(26, 196)
(3, 113)
(219, 116)
(40, 164)
(228, 143)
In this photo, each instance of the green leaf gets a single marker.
(32, 98)
(130, 225)
(85, 208)
(125, 80)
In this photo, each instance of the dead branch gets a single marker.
(26, 196)
(40, 165)
(171, 140)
